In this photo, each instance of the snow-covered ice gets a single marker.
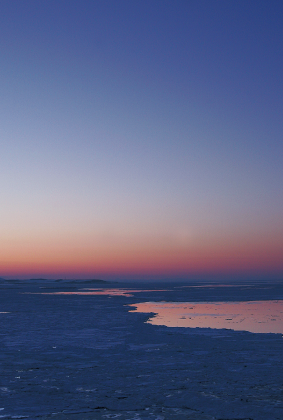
(84, 357)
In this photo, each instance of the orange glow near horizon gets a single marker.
(137, 260)
(154, 256)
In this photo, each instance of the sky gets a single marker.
(141, 139)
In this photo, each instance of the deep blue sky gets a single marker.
(129, 124)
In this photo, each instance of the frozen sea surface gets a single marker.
(86, 356)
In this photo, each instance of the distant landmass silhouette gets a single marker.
(83, 281)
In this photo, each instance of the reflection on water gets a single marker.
(257, 316)
(110, 292)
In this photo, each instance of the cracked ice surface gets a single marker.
(85, 357)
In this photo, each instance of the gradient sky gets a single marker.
(141, 139)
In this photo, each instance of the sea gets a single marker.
(95, 350)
